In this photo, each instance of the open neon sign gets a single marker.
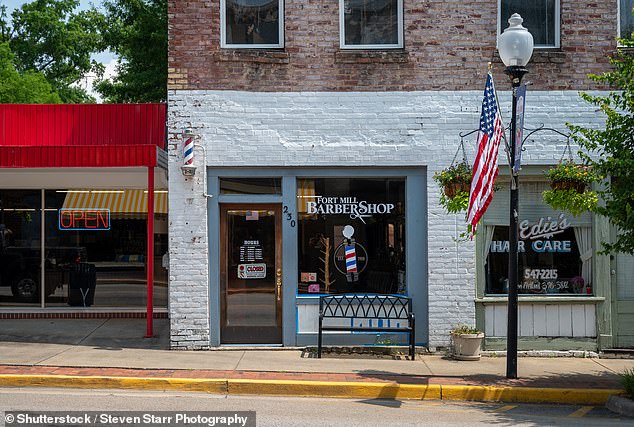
(84, 219)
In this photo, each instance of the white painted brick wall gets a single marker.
(369, 129)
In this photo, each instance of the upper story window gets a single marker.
(626, 19)
(541, 18)
(371, 24)
(252, 23)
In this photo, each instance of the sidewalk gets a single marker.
(83, 353)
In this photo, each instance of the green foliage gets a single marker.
(29, 87)
(460, 172)
(570, 171)
(627, 380)
(49, 37)
(136, 30)
(463, 329)
(458, 204)
(612, 148)
(571, 201)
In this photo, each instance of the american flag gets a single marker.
(485, 168)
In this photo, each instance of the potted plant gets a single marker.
(467, 341)
(455, 181)
(569, 182)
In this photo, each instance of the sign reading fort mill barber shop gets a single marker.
(336, 205)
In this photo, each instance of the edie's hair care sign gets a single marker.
(84, 219)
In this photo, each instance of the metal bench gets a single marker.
(383, 308)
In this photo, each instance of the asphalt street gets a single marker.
(295, 411)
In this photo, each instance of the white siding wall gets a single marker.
(352, 129)
(543, 320)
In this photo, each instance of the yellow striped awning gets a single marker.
(305, 194)
(122, 203)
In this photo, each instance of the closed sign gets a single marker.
(251, 271)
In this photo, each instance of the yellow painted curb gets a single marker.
(570, 396)
(71, 381)
(359, 390)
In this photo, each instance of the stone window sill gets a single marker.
(545, 299)
(371, 57)
(252, 55)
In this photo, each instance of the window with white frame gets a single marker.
(252, 23)
(541, 18)
(626, 19)
(371, 24)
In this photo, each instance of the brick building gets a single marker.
(304, 111)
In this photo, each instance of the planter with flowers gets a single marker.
(466, 342)
(569, 182)
(455, 181)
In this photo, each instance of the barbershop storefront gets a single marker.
(281, 235)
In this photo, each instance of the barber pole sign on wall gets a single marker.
(188, 149)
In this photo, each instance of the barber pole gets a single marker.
(188, 149)
(351, 259)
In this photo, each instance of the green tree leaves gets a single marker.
(136, 30)
(29, 87)
(614, 148)
(48, 37)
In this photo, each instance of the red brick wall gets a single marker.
(447, 46)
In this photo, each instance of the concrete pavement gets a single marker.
(106, 353)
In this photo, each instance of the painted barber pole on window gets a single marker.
(351, 259)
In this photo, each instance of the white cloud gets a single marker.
(87, 82)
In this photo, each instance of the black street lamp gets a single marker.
(515, 46)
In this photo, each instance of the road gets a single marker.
(295, 411)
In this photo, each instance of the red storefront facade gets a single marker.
(82, 162)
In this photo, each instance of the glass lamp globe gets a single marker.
(515, 44)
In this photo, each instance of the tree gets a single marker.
(29, 87)
(136, 30)
(611, 150)
(49, 37)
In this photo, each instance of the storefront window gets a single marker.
(105, 232)
(553, 258)
(20, 229)
(250, 185)
(351, 235)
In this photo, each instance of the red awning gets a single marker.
(82, 135)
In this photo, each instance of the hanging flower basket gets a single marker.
(453, 188)
(570, 176)
(569, 182)
(454, 180)
(577, 186)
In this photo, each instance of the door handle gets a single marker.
(278, 283)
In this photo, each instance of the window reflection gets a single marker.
(252, 22)
(351, 235)
(371, 22)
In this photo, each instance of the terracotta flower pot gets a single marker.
(578, 186)
(453, 188)
(467, 346)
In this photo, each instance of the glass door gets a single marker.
(251, 274)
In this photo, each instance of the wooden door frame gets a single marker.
(224, 259)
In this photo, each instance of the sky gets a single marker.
(106, 58)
